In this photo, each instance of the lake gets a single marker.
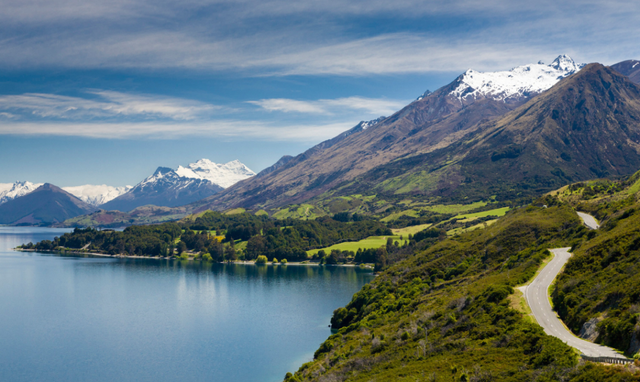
(68, 318)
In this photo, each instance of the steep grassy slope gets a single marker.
(443, 314)
(598, 295)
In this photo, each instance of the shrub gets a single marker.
(262, 259)
(283, 261)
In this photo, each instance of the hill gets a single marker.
(586, 126)
(430, 123)
(46, 205)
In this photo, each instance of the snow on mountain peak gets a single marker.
(519, 82)
(223, 174)
(96, 194)
(9, 191)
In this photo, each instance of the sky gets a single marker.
(96, 92)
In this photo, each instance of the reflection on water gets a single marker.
(103, 319)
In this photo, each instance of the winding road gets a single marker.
(537, 297)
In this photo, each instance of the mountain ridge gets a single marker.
(432, 122)
(167, 187)
(46, 205)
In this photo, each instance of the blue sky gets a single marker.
(95, 92)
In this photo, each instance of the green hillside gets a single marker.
(443, 314)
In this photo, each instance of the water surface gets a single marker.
(104, 319)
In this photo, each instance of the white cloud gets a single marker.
(331, 106)
(252, 36)
(107, 104)
(157, 130)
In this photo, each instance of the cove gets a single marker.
(105, 319)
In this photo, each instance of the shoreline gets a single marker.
(296, 263)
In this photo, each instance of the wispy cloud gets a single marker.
(279, 37)
(105, 104)
(330, 106)
(159, 130)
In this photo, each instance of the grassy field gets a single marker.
(303, 211)
(370, 242)
(469, 217)
(235, 211)
(457, 231)
(410, 230)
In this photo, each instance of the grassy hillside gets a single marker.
(443, 314)
(598, 295)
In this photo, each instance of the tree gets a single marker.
(181, 247)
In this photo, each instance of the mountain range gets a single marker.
(389, 156)
(165, 188)
(171, 188)
(498, 135)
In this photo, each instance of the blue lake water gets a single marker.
(103, 319)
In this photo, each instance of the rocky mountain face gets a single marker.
(585, 127)
(629, 68)
(46, 205)
(170, 188)
(433, 122)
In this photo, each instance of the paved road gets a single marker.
(589, 220)
(537, 298)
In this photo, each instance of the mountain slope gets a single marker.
(47, 204)
(164, 188)
(170, 188)
(9, 191)
(629, 68)
(432, 122)
(586, 126)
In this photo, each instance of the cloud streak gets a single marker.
(331, 106)
(277, 38)
(107, 104)
(160, 130)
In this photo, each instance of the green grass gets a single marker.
(455, 208)
(410, 230)
(370, 242)
(394, 216)
(303, 211)
(235, 211)
(460, 230)
(469, 217)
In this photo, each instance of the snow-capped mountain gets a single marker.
(516, 84)
(9, 191)
(223, 175)
(96, 195)
(171, 188)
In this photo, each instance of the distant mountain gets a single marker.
(96, 195)
(630, 68)
(171, 188)
(433, 122)
(10, 191)
(223, 175)
(46, 205)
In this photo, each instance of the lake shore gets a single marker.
(78, 253)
